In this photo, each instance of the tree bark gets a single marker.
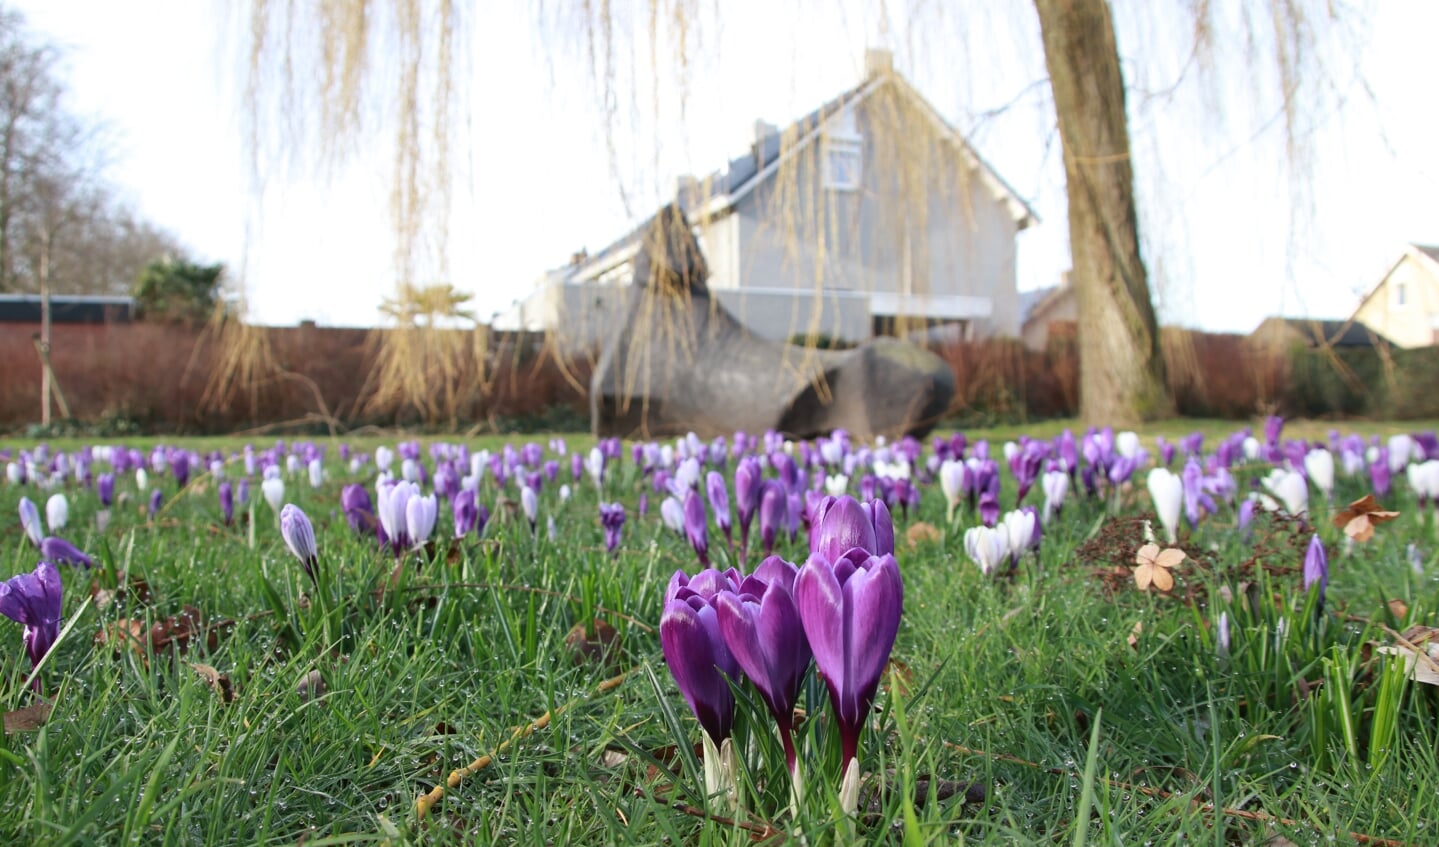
(1121, 376)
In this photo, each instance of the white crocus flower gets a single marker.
(1290, 489)
(1319, 464)
(987, 547)
(1166, 489)
(57, 512)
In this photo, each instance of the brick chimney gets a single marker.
(878, 62)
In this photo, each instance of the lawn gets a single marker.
(510, 686)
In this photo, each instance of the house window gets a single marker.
(843, 152)
(1401, 294)
(843, 162)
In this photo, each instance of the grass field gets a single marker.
(205, 690)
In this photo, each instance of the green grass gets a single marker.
(1005, 685)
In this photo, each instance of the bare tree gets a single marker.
(1121, 366)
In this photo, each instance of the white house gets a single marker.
(1404, 305)
(870, 215)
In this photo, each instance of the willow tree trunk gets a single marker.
(1121, 366)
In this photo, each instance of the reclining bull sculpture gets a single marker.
(680, 362)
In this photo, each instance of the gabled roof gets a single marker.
(716, 194)
(1426, 253)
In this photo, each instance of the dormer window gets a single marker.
(843, 154)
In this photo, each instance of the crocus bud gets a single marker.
(105, 489)
(773, 506)
(951, 482)
(612, 520)
(57, 512)
(62, 552)
(299, 536)
(530, 504)
(1316, 567)
(30, 521)
(1166, 490)
(763, 632)
(227, 502)
(466, 510)
(850, 616)
(274, 491)
(420, 516)
(696, 525)
(989, 507)
(718, 495)
(1319, 465)
(843, 526)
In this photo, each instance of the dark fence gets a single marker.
(151, 377)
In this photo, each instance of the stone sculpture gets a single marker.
(680, 362)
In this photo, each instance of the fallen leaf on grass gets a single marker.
(1360, 517)
(1154, 567)
(921, 533)
(898, 679)
(27, 719)
(593, 643)
(130, 589)
(175, 633)
(217, 681)
(1134, 635)
(1422, 659)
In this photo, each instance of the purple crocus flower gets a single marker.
(1166, 450)
(879, 518)
(1196, 501)
(105, 488)
(1273, 426)
(762, 630)
(1379, 474)
(1316, 568)
(612, 520)
(299, 536)
(696, 526)
(718, 495)
(850, 612)
(1246, 516)
(772, 514)
(156, 500)
(695, 651)
(30, 521)
(989, 508)
(180, 466)
(465, 508)
(355, 502)
(841, 527)
(62, 552)
(34, 601)
(1026, 465)
(227, 502)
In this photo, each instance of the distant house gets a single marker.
(869, 215)
(1048, 314)
(24, 309)
(1281, 333)
(1404, 305)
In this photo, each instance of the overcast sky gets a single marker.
(1226, 243)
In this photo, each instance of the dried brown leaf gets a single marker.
(217, 681)
(921, 533)
(28, 719)
(594, 643)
